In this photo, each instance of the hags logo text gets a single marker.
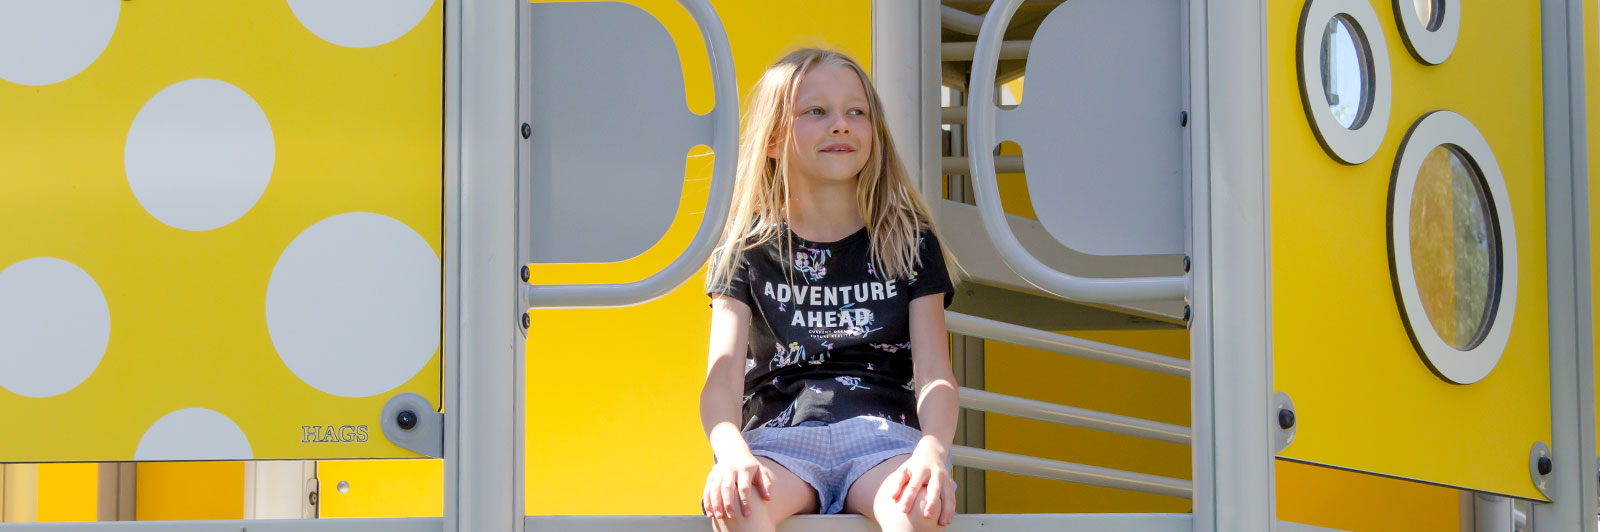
(333, 434)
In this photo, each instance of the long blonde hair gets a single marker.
(894, 212)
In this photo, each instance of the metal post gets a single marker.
(481, 489)
(1230, 287)
(1572, 487)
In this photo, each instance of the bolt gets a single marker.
(1186, 313)
(406, 419)
(1545, 465)
(313, 498)
(1186, 264)
(526, 321)
(527, 130)
(526, 274)
(1183, 119)
(1285, 418)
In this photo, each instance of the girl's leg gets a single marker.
(790, 496)
(872, 495)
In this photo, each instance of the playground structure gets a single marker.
(1193, 249)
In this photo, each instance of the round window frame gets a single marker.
(1446, 128)
(1431, 47)
(1347, 145)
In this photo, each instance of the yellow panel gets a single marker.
(1345, 500)
(1365, 399)
(1591, 66)
(382, 488)
(69, 492)
(354, 129)
(1072, 381)
(615, 392)
(187, 491)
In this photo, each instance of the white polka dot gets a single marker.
(193, 434)
(44, 42)
(54, 326)
(360, 23)
(199, 154)
(353, 304)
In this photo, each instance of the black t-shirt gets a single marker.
(830, 338)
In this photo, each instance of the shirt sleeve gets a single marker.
(738, 284)
(931, 275)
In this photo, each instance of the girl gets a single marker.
(829, 385)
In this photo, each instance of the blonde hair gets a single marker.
(894, 212)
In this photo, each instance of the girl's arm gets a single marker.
(937, 406)
(720, 398)
(737, 478)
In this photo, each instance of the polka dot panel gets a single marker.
(184, 182)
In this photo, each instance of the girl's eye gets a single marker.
(814, 111)
(858, 112)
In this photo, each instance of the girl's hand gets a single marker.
(734, 483)
(924, 474)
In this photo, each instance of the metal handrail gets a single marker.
(965, 51)
(959, 20)
(957, 114)
(1070, 472)
(1073, 416)
(981, 140)
(1059, 343)
(724, 142)
(1006, 164)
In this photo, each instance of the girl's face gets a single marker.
(832, 126)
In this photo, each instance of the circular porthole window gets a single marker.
(1429, 27)
(1344, 77)
(1452, 247)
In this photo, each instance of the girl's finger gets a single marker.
(915, 488)
(730, 496)
(714, 500)
(901, 477)
(949, 513)
(745, 494)
(930, 502)
(766, 484)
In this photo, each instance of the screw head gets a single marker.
(526, 321)
(1186, 313)
(526, 274)
(1183, 118)
(527, 130)
(1545, 465)
(313, 498)
(1285, 418)
(1186, 263)
(406, 419)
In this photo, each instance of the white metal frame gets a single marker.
(1355, 144)
(1232, 383)
(1446, 128)
(1572, 486)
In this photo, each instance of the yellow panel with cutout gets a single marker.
(223, 227)
(613, 394)
(1365, 399)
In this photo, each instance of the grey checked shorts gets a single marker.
(830, 457)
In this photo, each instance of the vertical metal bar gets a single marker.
(480, 266)
(1572, 487)
(897, 74)
(1232, 381)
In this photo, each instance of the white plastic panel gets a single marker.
(1099, 126)
(610, 130)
